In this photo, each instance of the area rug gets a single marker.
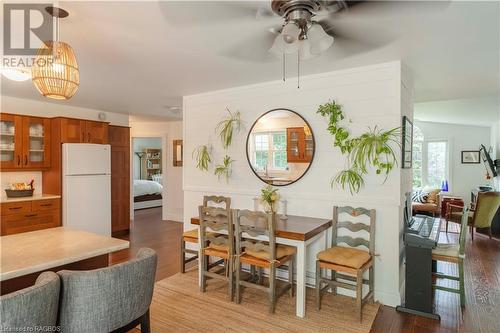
(179, 306)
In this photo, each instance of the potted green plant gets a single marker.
(269, 196)
(373, 149)
(203, 158)
(224, 169)
(226, 127)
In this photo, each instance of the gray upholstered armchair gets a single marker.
(115, 298)
(32, 308)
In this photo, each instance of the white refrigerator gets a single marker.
(86, 194)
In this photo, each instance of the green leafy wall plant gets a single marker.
(371, 149)
(226, 127)
(203, 158)
(225, 168)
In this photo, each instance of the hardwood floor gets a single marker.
(482, 279)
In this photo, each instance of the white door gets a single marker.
(86, 159)
(87, 203)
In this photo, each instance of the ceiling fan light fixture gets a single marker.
(279, 47)
(305, 50)
(290, 32)
(319, 39)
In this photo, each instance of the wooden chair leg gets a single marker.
(272, 288)
(489, 232)
(203, 267)
(371, 283)
(359, 294)
(183, 256)
(461, 282)
(318, 285)
(472, 232)
(145, 323)
(334, 278)
(446, 226)
(237, 280)
(230, 276)
(290, 276)
(260, 272)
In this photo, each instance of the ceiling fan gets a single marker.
(304, 31)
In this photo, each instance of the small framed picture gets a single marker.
(470, 157)
(407, 146)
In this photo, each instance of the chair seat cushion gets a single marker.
(344, 256)
(446, 250)
(424, 207)
(281, 252)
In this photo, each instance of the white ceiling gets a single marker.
(141, 57)
(475, 111)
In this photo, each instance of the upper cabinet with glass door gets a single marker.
(25, 142)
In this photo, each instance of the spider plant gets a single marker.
(351, 178)
(226, 127)
(203, 159)
(224, 169)
(375, 148)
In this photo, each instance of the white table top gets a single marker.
(35, 251)
(4, 199)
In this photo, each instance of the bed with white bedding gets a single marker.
(147, 194)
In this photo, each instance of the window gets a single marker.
(430, 161)
(270, 150)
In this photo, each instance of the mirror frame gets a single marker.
(248, 138)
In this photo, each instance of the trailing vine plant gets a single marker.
(225, 168)
(371, 149)
(203, 158)
(227, 126)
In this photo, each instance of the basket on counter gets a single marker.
(19, 193)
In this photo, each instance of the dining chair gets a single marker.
(453, 253)
(33, 308)
(110, 299)
(261, 254)
(216, 240)
(482, 215)
(345, 260)
(191, 236)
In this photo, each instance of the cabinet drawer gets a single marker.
(14, 224)
(9, 208)
(41, 205)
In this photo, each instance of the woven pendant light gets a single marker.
(55, 70)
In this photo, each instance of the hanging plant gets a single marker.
(226, 128)
(371, 149)
(203, 158)
(224, 169)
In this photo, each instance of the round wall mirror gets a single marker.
(280, 147)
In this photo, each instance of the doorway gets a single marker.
(148, 183)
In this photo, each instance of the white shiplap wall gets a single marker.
(370, 95)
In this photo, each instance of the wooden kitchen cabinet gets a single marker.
(24, 216)
(25, 142)
(83, 131)
(299, 146)
(119, 139)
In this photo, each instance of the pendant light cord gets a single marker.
(298, 70)
(284, 67)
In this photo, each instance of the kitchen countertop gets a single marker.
(36, 251)
(4, 199)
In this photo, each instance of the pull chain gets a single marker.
(284, 67)
(298, 70)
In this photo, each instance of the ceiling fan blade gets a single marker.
(252, 49)
(187, 13)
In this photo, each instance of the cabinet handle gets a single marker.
(30, 215)
(15, 208)
(46, 205)
(18, 160)
(25, 159)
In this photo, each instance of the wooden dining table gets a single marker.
(298, 231)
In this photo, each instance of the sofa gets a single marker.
(432, 206)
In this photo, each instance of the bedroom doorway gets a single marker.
(147, 172)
